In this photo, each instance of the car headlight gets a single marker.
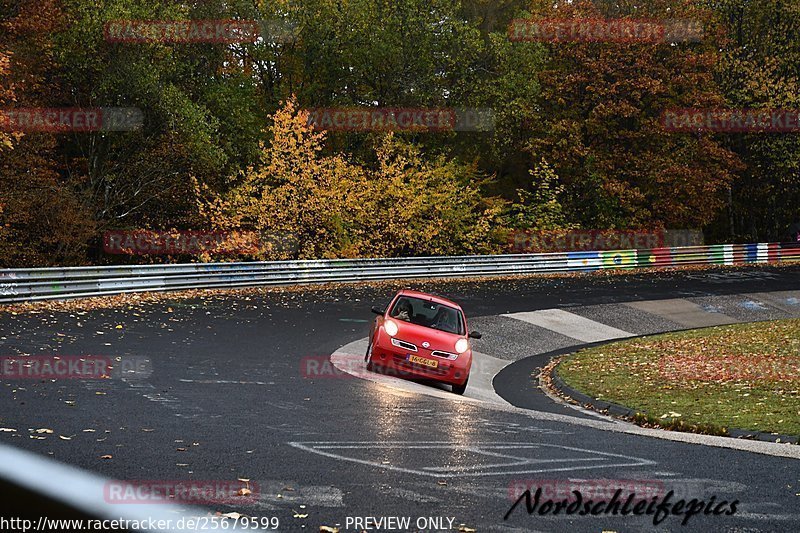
(390, 327)
(462, 345)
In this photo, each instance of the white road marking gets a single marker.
(273, 492)
(781, 300)
(403, 387)
(683, 312)
(480, 388)
(515, 465)
(222, 382)
(680, 311)
(763, 516)
(571, 325)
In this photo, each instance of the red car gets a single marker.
(422, 336)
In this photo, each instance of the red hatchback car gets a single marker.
(423, 336)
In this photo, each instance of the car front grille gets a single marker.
(404, 345)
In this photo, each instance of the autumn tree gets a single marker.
(600, 128)
(6, 98)
(759, 67)
(336, 208)
(540, 208)
(43, 221)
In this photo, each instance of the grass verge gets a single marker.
(744, 376)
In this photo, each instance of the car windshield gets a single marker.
(429, 314)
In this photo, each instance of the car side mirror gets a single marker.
(377, 310)
(475, 335)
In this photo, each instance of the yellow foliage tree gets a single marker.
(327, 207)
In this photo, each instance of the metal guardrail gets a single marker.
(31, 284)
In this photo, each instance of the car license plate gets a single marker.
(422, 361)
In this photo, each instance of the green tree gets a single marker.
(540, 209)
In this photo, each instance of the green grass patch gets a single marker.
(744, 376)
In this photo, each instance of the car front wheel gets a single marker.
(368, 358)
(459, 389)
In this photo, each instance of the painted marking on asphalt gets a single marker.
(683, 312)
(763, 516)
(731, 277)
(480, 388)
(222, 382)
(273, 492)
(521, 458)
(571, 325)
(785, 301)
(790, 299)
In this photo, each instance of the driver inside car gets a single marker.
(445, 320)
(404, 311)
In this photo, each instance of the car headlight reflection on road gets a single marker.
(390, 327)
(462, 345)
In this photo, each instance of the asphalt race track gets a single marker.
(242, 387)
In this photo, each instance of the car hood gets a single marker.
(439, 340)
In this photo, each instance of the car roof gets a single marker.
(431, 297)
